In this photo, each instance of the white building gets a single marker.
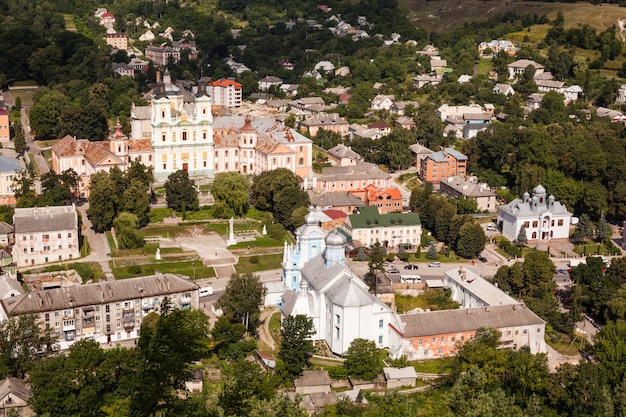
(45, 234)
(326, 290)
(9, 169)
(390, 230)
(541, 216)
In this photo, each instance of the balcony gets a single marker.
(89, 321)
(184, 299)
(129, 324)
(69, 327)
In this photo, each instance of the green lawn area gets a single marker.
(484, 66)
(590, 249)
(193, 269)
(260, 242)
(26, 95)
(434, 366)
(265, 262)
(435, 299)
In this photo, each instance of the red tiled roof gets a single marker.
(225, 83)
(335, 214)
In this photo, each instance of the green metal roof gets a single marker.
(369, 217)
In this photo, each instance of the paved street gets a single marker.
(32, 145)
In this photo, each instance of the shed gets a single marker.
(400, 377)
(312, 381)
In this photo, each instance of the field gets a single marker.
(444, 15)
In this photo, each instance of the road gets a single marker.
(32, 145)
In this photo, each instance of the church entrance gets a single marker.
(185, 167)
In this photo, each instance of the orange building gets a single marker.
(5, 126)
(226, 92)
(117, 41)
(443, 164)
(388, 200)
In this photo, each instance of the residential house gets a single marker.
(423, 80)
(464, 79)
(458, 112)
(325, 66)
(399, 107)
(462, 188)
(354, 177)
(117, 40)
(9, 172)
(290, 90)
(391, 230)
(382, 102)
(388, 200)
(614, 115)
(161, 55)
(497, 46)
(504, 89)
(533, 101)
(45, 234)
(573, 92)
(308, 105)
(107, 312)
(7, 236)
(343, 201)
(14, 397)
(324, 288)
(225, 92)
(437, 65)
(621, 95)
(342, 71)
(405, 123)
(400, 377)
(356, 129)
(420, 152)
(147, 36)
(9, 285)
(518, 68)
(5, 124)
(471, 130)
(442, 164)
(277, 105)
(122, 69)
(139, 64)
(429, 50)
(238, 67)
(542, 217)
(343, 155)
(327, 121)
(382, 128)
(187, 44)
(551, 85)
(312, 381)
(269, 81)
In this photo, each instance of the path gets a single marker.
(264, 330)
(97, 242)
(32, 145)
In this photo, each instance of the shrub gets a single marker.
(254, 260)
(134, 269)
(276, 231)
(404, 256)
(432, 253)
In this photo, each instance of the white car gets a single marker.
(434, 264)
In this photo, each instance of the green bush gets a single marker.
(135, 269)
(337, 372)
(390, 257)
(404, 256)
(276, 231)
(254, 260)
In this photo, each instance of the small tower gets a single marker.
(335, 249)
(247, 135)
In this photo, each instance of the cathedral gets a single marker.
(324, 288)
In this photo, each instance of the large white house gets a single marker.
(326, 290)
(45, 234)
(391, 230)
(541, 216)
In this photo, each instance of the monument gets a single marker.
(264, 232)
(157, 256)
(231, 235)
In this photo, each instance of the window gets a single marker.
(538, 329)
(69, 235)
(534, 235)
(552, 223)
(535, 223)
(46, 237)
(336, 332)
(452, 339)
(560, 222)
(525, 331)
(164, 166)
(118, 325)
(380, 339)
(419, 342)
(59, 236)
(443, 339)
(380, 324)
(184, 135)
(337, 319)
(47, 317)
(527, 224)
(163, 137)
(107, 308)
(425, 352)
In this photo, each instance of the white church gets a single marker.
(322, 287)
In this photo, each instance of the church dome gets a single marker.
(335, 238)
(539, 190)
(314, 218)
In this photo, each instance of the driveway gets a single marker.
(97, 242)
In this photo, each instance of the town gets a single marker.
(223, 208)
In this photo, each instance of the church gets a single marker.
(324, 288)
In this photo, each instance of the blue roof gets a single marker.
(438, 157)
(458, 155)
(9, 164)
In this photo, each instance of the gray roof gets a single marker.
(268, 127)
(9, 164)
(458, 155)
(399, 373)
(8, 285)
(343, 151)
(311, 378)
(336, 199)
(438, 156)
(362, 170)
(45, 219)
(528, 208)
(479, 287)
(454, 321)
(98, 293)
(467, 187)
(5, 228)
(16, 387)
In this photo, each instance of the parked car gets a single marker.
(491, 227)
(562, 271)
(394, 271)
(482, 259)
(410, 266)
(434, 264)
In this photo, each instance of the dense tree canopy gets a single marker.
(242, 299)
(180, 192)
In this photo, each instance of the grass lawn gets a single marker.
(260, 242)
(562, 344)
(484, 66)
(274, 327)
(170, 230)
(193, 269)
(158, 214)
(591, 249)
(434, 366)
(265, 262)
(25, 95)
(440, 258)
(435, 299)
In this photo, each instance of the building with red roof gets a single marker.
(226, 92)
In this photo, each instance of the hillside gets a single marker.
(444, 15)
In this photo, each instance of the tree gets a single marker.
(103, 202)
(180, 192)
(126, 225)
(603, 230)
(471, 240)
(432, 252)
(362, 360)
(244, 382)
(296, 345)
(137, 201)
(242, 298)
(24, 189)
(267, 184)
(21, 341)
(232, 189)
(584, 229)
(609, 346)
(522, 239)
(45, 115)
(19, 141)
(286, 201)
(376, 258)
